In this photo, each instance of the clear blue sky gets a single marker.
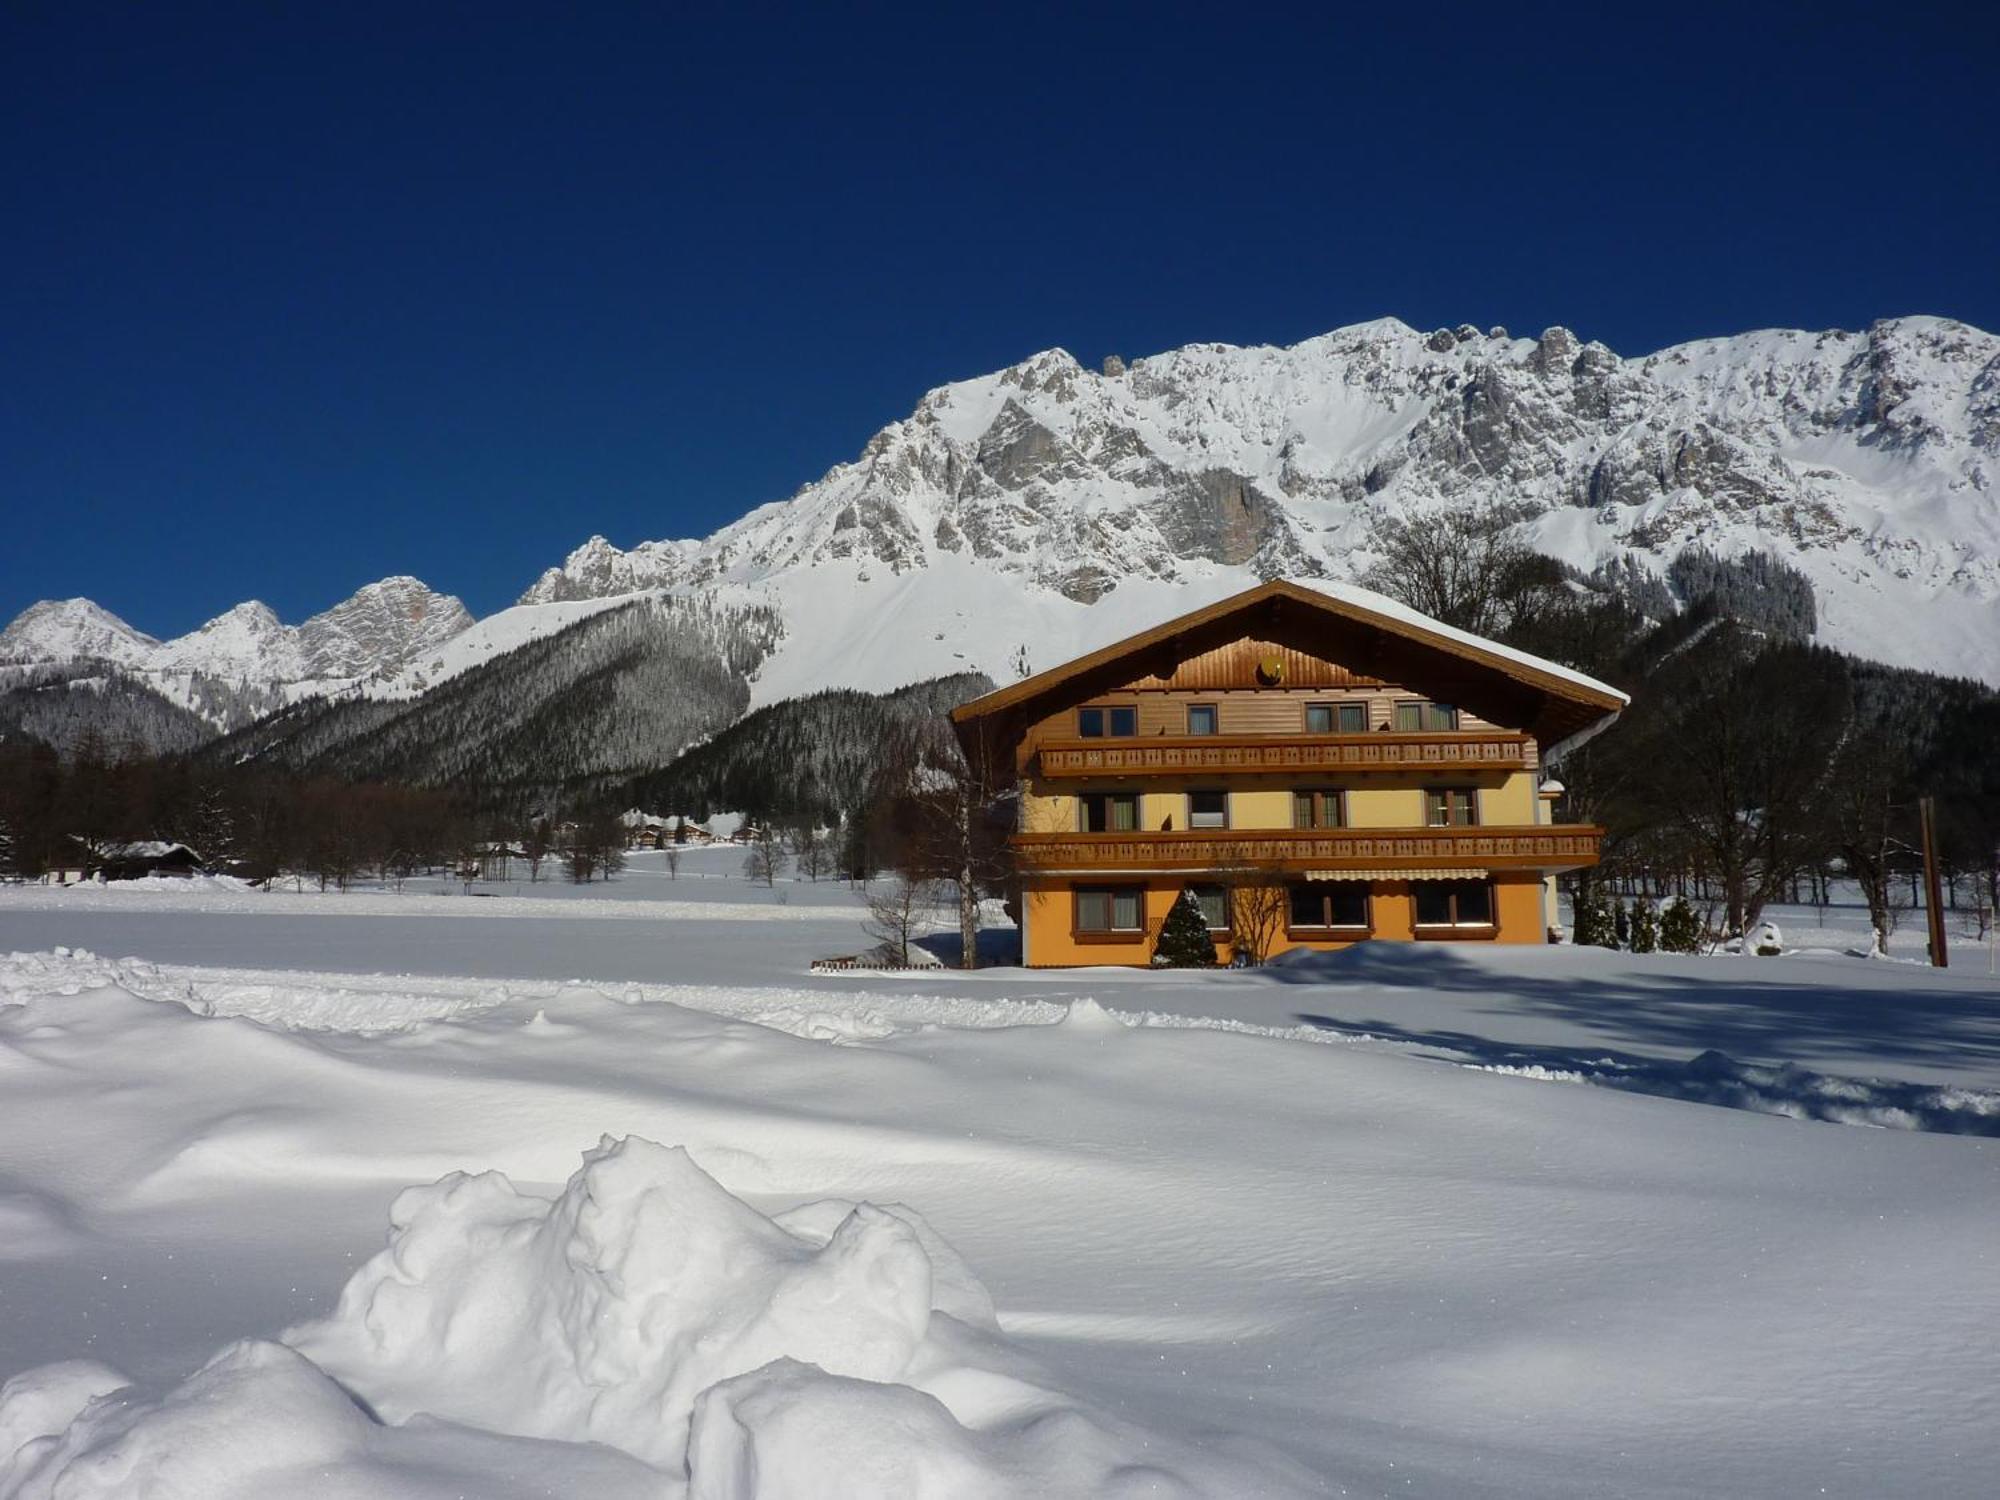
(295, 301)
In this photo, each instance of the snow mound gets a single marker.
(641, 1332)
(602, 1315)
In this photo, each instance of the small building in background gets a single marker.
(144, 859)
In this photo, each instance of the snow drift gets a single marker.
(837, 1349)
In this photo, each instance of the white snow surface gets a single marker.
(1426, 1221)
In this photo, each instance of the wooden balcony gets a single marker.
(1288, 754)
(1544, 848)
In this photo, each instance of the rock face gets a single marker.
(379, 628)
(1869, 460)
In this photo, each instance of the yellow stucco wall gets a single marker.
(1380, 801)
(1047, 910)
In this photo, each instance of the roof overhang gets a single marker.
(1574, 705)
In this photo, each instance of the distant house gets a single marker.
(145, 858)
(1316, 764)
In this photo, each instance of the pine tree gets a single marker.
(1590, 920)
(1680, 927)
(1621, 925)
(1645, 927)
(1184, 940)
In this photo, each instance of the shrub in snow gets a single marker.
(1680, 927)
(1593, 921)
(1645, 927)
(1767, 942)
(1184, 941)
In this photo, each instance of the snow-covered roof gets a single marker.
(1586, 702)
(147, 849)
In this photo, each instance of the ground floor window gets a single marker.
(1214, 903)
(1453, 903)
(1328, 904)
(1110, 908)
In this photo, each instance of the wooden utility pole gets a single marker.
(1933, 895)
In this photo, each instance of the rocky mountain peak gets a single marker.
(1845, 453)
(71, 630)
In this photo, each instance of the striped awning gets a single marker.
(1430, 874)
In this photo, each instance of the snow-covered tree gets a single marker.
(1184, 942)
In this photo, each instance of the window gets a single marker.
(1426, 716)
(1451, 807)
(1316, 809)
(1336, 718)
(1115, 722)
(1208, 809)
(1202, 718)
(1108, 812)
(1330, 904)
(1214, 903)
(1109, 908)
(1453, 903)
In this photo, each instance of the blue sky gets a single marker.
(294, 301)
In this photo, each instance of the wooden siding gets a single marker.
(1234, 665)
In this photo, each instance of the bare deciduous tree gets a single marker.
(766, 858)
(812, 849)
(1867, 805)
(1258, 911)
(898, 911)
(1458, 564)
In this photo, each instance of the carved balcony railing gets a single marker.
(1547, 848)
(1285, 754)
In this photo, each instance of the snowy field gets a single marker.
(1419, 1221)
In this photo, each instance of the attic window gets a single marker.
(1336, 718)
(1427, 717)
(1201, 718)
(1103, 722)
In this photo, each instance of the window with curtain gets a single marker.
(1329, 904)
(1336, 718)
(1208, 809)
(1214, 903)
(1451, 807)
(1453, 903)
(1109, 908)
(1108, 812)
(1316, 809)
(1202, 719)
(1426, 716)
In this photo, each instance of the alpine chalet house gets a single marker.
(1319, 764)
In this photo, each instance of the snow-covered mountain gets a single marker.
(1049, 507)
(1021, 517)
(246, 660)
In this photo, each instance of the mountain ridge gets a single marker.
(1037, 511)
